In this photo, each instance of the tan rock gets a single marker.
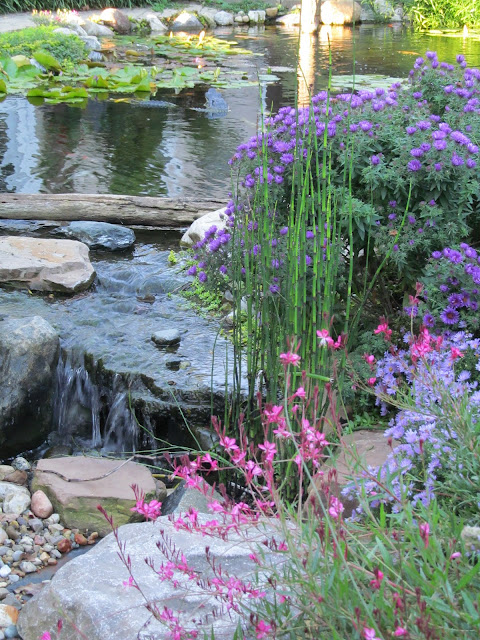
(44, 264)
(8, 615)
(340, 12)
(359, 450)
(97, 481)
(80, 539)
(116, 20)
(271, 12)
(17, 477)
(5, 470)
(41, 505)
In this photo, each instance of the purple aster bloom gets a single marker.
(365, 125)
(438, 166)
(411, 219)
(456, 300)
(392, 203)
(375, 160)
(192, 271)
(471, 164)
(395, 247)
(470, 252)
(440, 145)
(439, 135)
(457, 160)
(460, 58)
(392, 216)
(202, 276)
(414, 165)
(432, 203)
(278, 179)
(449, 316)
(428, 320)
(444, 288)
(309, 235)
(223, 269)
(283, 231)
(459, 137)
(472, 148)
(425, 146)
(437, 255)
(411, 130)
(448, 88)
(287, 158)
(416, 153)
(423, 125)
(431, 55)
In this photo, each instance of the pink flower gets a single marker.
(383, 328)
(371, 381)
(370, 634)
(336, 508)
(369, 359)
(300, 393)
(45, 636)
(455, 555)
(262, 629)
(324, 338)
(455, 353)
(400, 632)
(290, 358)
(375, 584)
(126, 583)
(424, 533)
(270, 450)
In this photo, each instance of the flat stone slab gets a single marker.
(89, 589)
(101, 235)
(45, 265)
(76, 485)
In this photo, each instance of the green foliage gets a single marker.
(28, 41)
(14, 6)
(204, 299)
(444, 14)
(172, 257)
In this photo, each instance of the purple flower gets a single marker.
(437, 255)
(423, 125)
(457, 160)
(411, 130)
(223, 269)
(365, 125)
(449, 316)
(375, 160)
(287, 158)
(192, 271)
(471, 164)
(414, 165)
(411, 219)
(283, 231)
(438, 166)
(392, 203)
(416, 153)
(456, 300)
(460, 58)
(202, 276)
(428, 320)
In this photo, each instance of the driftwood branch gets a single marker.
(165, 213)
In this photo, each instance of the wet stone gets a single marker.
(166, 337)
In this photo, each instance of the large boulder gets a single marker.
(101, 235)
(186, 22)
(340, 12)
(289, 20)
(29, 350)
(116, 20)
(44, 264)
(223, 18)
(88, 590)
(98, 30)
(197, 229)
(75, 486)
(156, 25)
(257, 17)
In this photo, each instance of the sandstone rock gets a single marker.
(80, 539)
(186, 22)
(364, 448)
(117, 20)
(76, 502)
(97, 30)
(271, 12)
(289, 20)
(28, 353)
(156, 25)
(16, 500)
(101, 608)
(340, 12)
(44, 264)
(197, 229)
(166, 337)
(223, 18)
(8, 615)
(100, 235)
(256, 16)
(41, 505)
(5, 470)
(17, 477)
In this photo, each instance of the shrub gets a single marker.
(13, 6)
(28, 41)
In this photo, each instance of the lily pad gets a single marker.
(47, 60)
(364, 81)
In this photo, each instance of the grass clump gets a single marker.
(28, 41)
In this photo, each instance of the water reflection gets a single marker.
(118, 148)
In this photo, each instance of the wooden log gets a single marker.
(165, 213)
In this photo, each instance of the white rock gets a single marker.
(156, 25)
(257, 16)
(65, 31)
(239, 19)
(289, 20)
(5, 571)
(17, 500)
(8, 615)
(92, 42)
(340, 12)
(44, 264)
(3, 536)
(197, 229)
(223, 18)
(98, 30)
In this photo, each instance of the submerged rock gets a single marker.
(101, 235)
(75, 486)
(166, 337)
(28, 352)
(45, 265)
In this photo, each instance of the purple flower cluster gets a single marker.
(424, 434)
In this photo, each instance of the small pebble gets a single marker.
(27, 567)
(11, 631)
(14, 577)
(53, 519)
(21, 464)
(5, 571)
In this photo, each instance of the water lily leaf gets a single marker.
(97, 82)
(372, 81)
(268, 77)
(21, 61)
(47, 60)
(3, 86)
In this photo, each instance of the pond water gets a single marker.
(176, 151)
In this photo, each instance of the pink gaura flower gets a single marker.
(370, 634)
(377, 581)
(455, 353)
(46, 636)
(425, 533)
(324, 338)
(300, 393)
(127, 583)
(290, 358)
(455, 555)
(270, 450)
(371, 381)
(383, 328)
(400, 632)
(262, 630)
(336, 508)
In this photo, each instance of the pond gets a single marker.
(112, 147)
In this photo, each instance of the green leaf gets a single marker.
(468, 577)
(47, 60)
(3, 86)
